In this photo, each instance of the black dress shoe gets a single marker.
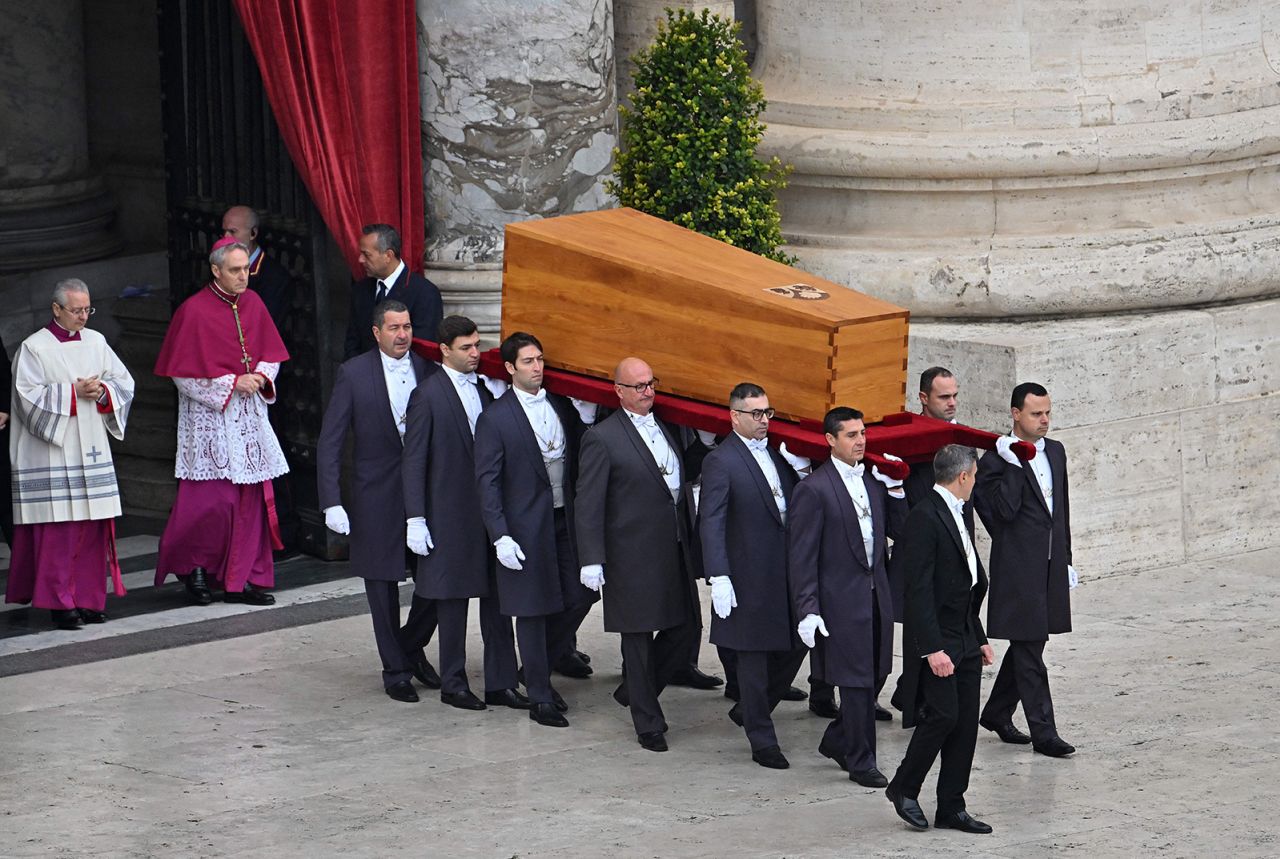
(869, 778)
(249, 596)
(883, 715)
(828, 752)
(695, 679)
(584, 657)
(735, 716)
(825, 709)
(962, 821)
(571, 666)
(463, 700)
(654, 741)
(89, 615)
(795, 694)
(1054, 747)
(771, 757)
(620, 695)
(198, 587)
(908, 809)
(402, 691)
(547, 714)
(425, 672)
(558, 702)
(66, 618)
(1006, 732)
(507, 698)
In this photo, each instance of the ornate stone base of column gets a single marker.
(53, 225)
(473, 290)
(1169, 419)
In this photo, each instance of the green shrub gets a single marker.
(690, 135)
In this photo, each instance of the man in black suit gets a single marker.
(838, 525)
(267, 276)
(1026, 510)
(939, 394)
(943, 645)
(526, 466)
(368, 404)
(742, 510)
(440, 495)
(632, 528)
(387, 277)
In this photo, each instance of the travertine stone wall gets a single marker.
(518, 121)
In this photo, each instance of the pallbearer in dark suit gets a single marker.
(444, 525)
(742, 513)
(633, 540)
(838, 525)
(368, 404)
(1025, 507)
(387, 277)
(943, 645)
(526, 465)
(939, 399)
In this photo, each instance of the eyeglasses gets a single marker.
(756, 414)
(641, 387)
(79, 311)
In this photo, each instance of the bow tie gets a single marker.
(757, 444)
(539, 397)
(398, 367)
(1040, 445)
(857, 470)
(647, 421)
(467, 377)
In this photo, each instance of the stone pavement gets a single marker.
(282, 744)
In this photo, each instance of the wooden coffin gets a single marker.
(597, 287)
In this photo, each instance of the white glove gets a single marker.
(509, 553)
(799, 463)
(808, 626)
(1004, 447)
(417, 537)
(723, 599)
(592, 576)
(586, 411)
(335, 519)
(889, 482)
(1072, 579)
(708, 439)
(497, 387)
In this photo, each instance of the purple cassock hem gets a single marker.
(60, 565)
(221, 526)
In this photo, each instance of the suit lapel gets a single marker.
(1030, 475)
(382, 397)
(753, 468)
(641, 446)
(848, 515)
(948, 521)
(517, 416)
(449, 391)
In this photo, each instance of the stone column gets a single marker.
(53, 211)
(518, 121)
(1081, 194)
(635, 23)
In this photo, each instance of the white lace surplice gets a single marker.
(223, 435)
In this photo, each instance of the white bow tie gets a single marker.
(757, 444)
(857, 470)
(1040, 445)
(467, 377)
(539, 397)
(400, 367)
(647, 421)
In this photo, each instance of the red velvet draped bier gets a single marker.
(342, 80)
(911, 437)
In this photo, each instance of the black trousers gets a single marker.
(651, 660)
(763, 677)
(546, 639)
(495, 631)
(947, 725)
(854, 730)
(1023, 678)
(384, 611)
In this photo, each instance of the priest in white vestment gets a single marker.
(70, 393)
(223, 353)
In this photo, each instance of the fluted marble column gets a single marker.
(52, 209)
(519, 121)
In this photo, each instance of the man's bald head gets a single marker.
(634, 383)
(241, 224)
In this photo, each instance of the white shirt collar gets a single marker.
(641, 420)
(528, 399)
(956, 505)
(398, 365)
(849, 472)
(753, 444)
(1038, 443)
(459, 378)
(391, 279)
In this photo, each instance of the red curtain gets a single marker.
(342, 79)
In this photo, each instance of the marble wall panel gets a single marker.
(1248, 349)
